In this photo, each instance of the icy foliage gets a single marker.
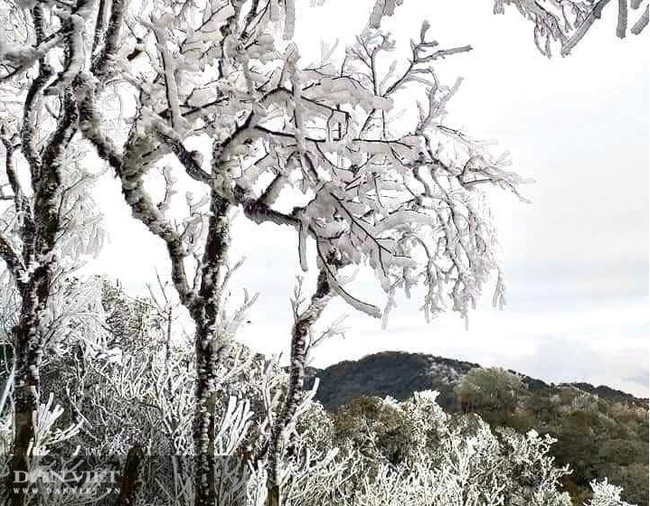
(455, 463)
(49, 438)
(567, 22)
(382, 8)
(75, 315)
(452, 462)
(403, 197)
(316, 147)
(489, 387)
(405, 201)
(148, 397)
(606, 494)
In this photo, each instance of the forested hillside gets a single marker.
(601, 432)
(192, 120)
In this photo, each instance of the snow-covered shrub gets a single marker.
(47, 462)
(462, 461)
(606, 494)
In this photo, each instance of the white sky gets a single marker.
(576, 259)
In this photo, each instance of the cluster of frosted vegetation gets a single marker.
(597, 436)
(126, 87)
(131, 397)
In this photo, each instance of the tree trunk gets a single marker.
(204, 304)
(26, 390)
(208, 356)
(299, 345)
(39, 233)
(273, 494)
(131, 482)
(211, 349)
(28, 356)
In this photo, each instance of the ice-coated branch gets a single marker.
(23, 58)
(169, 67)
(621, 25)
(100, 25)
(187, 158)
(103, 61)
(129, 169)
(300, 335)
(381, 9)
(21, 202)
(642, 22)
(28, 130)
(583, 27)
(568, 22)
(12, 258)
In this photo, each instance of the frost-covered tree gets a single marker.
(212, 96)
(401, 197)
(47, 218)
(491, 388)
(606, 494)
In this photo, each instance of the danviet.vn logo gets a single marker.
(66, 481)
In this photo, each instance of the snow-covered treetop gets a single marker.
(402, 195)
(556, 22)
(323, 141)
(566, 22)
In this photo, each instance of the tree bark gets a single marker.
(26, 396)
(211, 349)
(131, 483)
(28, 351)
(299, 346)
(39, 235)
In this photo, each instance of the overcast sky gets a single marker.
(576, 258)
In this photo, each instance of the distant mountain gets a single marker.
(399, 374)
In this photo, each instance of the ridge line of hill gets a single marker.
(399, 374)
